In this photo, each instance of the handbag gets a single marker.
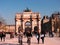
(42, 35)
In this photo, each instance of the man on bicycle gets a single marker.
(28, 34)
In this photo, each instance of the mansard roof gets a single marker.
(56, 13)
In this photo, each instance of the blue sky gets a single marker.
(8, 8)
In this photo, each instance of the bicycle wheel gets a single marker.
(28, 42)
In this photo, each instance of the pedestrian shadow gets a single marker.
(34, 42)
(18, 43)
(24, 42)
(31, 42)
(8, 44)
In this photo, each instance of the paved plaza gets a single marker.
(48, 41)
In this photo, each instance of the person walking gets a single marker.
(20, 35)
(1, 36)
(4, 35)
(38, 37)
(42, 37)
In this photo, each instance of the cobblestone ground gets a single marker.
(47, 41)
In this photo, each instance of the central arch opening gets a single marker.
(28, 26)
(28, 23)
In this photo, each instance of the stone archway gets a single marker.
(29, 18)
(28, 23)
(28, 26)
